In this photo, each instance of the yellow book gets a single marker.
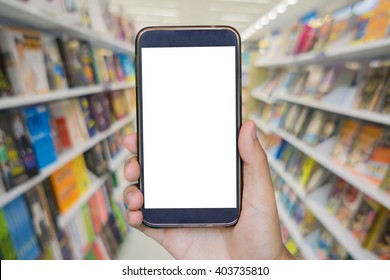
(80, 170)
(307, 170)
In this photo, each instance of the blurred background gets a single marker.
(316, 81)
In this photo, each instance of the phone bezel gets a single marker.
(161, 36)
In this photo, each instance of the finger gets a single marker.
(133, 198)
(130, 143)
(132, 169)
(256, 170)
(134, 219)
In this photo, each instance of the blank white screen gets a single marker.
(189, 127)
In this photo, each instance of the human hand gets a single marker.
(256, 234)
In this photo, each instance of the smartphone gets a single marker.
(188, 120)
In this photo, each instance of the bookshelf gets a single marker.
(301, 83)
(315, 201)
(62, 160)
(18, 101)
(369, 50)
(305, 248)
(36, 19)
(350, 112)
(341, 171)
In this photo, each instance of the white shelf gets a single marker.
(62, 160)
(32, 17)
(96, 183)
(293, 230)
(260, 124)
(269, 100)
(18, 101)
(341, 234)
(123, 155)
(341, 171)
(369, 50)
(355, 113)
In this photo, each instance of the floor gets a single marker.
(138, 246)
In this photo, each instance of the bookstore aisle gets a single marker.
(319, 93)
(67, 99)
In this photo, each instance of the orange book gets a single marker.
(101, 206)
(363, 145)
(65, 188)
(378, 21)
(95, 213)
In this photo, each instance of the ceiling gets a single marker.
(247, 16)
(237, 13)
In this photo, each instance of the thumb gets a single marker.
(257, 179)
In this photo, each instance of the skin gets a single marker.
(256, 234)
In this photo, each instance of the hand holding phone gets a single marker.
(188, 118)
(256, 234)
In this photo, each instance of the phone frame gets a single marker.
(190, 217)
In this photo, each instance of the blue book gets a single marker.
(127, 66)
(21, 229)
(37, 119)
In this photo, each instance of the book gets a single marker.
(100, 108)
(55, 133)
(364, 219)
(365, 142)
(12, 169)
(349, 206)
(319, 176)
(89, 120)
(54, 67)
(42, 221)
(78, 61)
(70, 120)
(308, 168)
(301, 122)
(329, 128)
(377, 165)
(24, 60)
(118, 68)
(114, 142)
(81, 173)
(109, 58)
(323, 33)
(379, 241)
(336, 194)
(384, 103)
(306, 40)
(7, 250)
(314, 127)
(21, 229)
(127, 66)
(101, 66)
(324, 243)
(314, 78)
(96, 160)
(37, 120)
(51, 201)
(291, 117)
(64, 183)
(375, 23)
(347, 134)
(118, 102)
(5, 83)
(65, 246)
(370, 89)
